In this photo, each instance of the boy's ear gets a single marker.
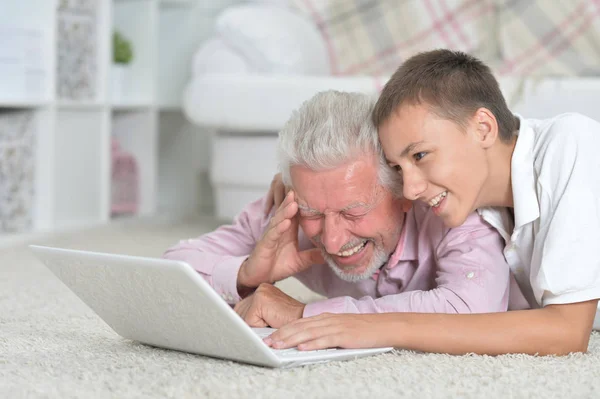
(486, 127)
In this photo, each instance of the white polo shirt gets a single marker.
(554, 248)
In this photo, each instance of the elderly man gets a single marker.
(344, 233)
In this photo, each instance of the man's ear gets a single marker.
(486, 127)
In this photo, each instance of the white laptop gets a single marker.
(166, 304)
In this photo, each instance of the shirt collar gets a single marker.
(407, 243)
(526, 205)
(500, 219)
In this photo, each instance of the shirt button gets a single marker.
(470, 274)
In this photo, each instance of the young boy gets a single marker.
(445, 127)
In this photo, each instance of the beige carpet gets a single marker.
(52, 345)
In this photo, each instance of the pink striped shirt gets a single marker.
(433, 268)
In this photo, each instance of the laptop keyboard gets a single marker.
(290, 352)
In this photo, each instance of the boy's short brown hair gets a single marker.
(454, 84)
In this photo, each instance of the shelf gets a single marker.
(137, 134)
(137, 22)
(81, 152)
(181, 32)
(24, 104)
(56, 60)
(175, 3)
(170, 108)
(70, 104)
(131, 106)
(26, 51)
(169, 105)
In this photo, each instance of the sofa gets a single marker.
(268, 56)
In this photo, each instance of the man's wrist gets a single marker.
(243, 288)
(301, 314)
(244, 291)
(242, 280)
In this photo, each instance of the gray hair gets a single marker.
(329, 130)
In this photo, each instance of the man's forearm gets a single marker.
(559, 330)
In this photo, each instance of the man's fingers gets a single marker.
(279, 196)
(278, 189)
(254, 321)
(311, 257)
(268, 203)
(291, 212)
(287, 210)
(292, 234)
(242, 307)
(272, 236)
(281, 221)
(253, 316)
(248, 310)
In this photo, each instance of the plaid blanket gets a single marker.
(374, 36)
(515, 37)
(541, 37)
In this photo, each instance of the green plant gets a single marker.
(122, 51)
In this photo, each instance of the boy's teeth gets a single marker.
(436, 200)
(351, 251)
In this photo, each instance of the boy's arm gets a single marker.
(555, 329)
(552, 330)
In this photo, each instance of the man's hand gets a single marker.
(276, 256)
(269, 306)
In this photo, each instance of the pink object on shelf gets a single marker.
(124, 181)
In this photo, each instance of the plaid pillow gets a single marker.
(541, 37)
(375, 36)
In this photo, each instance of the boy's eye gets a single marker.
(397, 168)
(419, 155)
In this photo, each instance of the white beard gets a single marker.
(379, 259)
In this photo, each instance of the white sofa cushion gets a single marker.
(274, 39)
(215, 56)
(250, 103)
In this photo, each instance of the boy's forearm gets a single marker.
(558, 329)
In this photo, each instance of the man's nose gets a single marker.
(413, 184)
(332, 236)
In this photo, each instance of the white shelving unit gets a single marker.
(55, 66)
